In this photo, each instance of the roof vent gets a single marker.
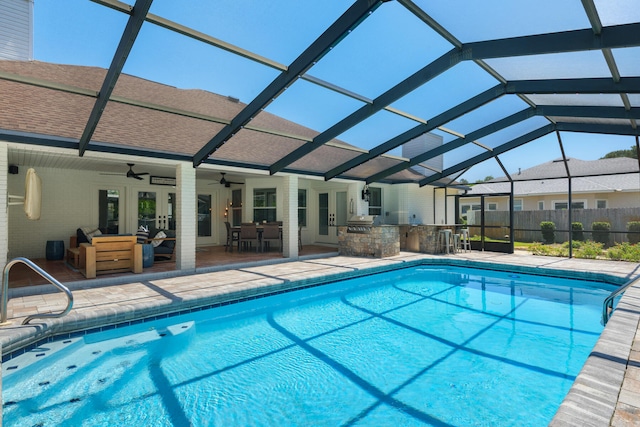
(232, 99)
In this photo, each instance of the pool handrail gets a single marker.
(607, 305)
(5, 290)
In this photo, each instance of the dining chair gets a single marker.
(270, 233)
(248, 235)
(231, 237)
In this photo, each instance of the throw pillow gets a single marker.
(142, 234)
(157, 243)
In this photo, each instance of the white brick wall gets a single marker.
(67, 203)
(421, 204)
(290, 216)
(186, 225)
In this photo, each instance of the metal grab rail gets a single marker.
(43, 274)
(607, 305)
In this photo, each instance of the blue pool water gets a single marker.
(422, 346)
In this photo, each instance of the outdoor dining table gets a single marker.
(235, 230)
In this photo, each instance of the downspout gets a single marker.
(445, 206)
(434, 205)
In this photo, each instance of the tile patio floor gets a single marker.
(606, 392)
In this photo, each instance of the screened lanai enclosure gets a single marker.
(492, 84)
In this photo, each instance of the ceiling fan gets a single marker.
(130, 173)
(223, 181)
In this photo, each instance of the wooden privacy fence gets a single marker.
(527, 223)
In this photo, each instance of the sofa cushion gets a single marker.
(85, 234)
(159, 235)
(169, 243)
(164, 250)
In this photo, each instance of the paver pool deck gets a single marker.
(605, 393)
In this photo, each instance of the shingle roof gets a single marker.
(602, 175)
(556, 168)
(139, 119)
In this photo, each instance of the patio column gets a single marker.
(290, 217)
(186, 222)
(4, 213)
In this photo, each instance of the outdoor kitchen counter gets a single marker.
(423, 238)
(377, 241)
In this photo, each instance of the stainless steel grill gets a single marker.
(360, 224)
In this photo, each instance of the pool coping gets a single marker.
(598, 396)
(606, 392)
(74, 324)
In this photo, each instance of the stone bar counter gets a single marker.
(422, 238)
(378, 241)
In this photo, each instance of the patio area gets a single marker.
(207, 257)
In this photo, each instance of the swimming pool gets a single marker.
(420, 346)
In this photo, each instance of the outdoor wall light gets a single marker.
(365, 193)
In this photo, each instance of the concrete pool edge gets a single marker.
(598, 396)
(598, 389)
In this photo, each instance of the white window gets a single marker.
(601, 204)
(517, 204)
(541, 205)
(375, 201)
(468, 207)
(236, 207)
(264, 205)
(492, 206)
(302, 207)
(563, 204)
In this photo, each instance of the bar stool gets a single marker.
(445, 241)
(465, 244)
(456, 243)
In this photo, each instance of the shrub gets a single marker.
(589, 250)
(575, 244)
(548, 229)
(633, 228)
(624, 252)
(538, 248)
(577, 232)
(600, 232)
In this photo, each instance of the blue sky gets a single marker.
(387, 47)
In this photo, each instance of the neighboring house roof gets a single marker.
(593, 176)
(52, 102)
(556, 169)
